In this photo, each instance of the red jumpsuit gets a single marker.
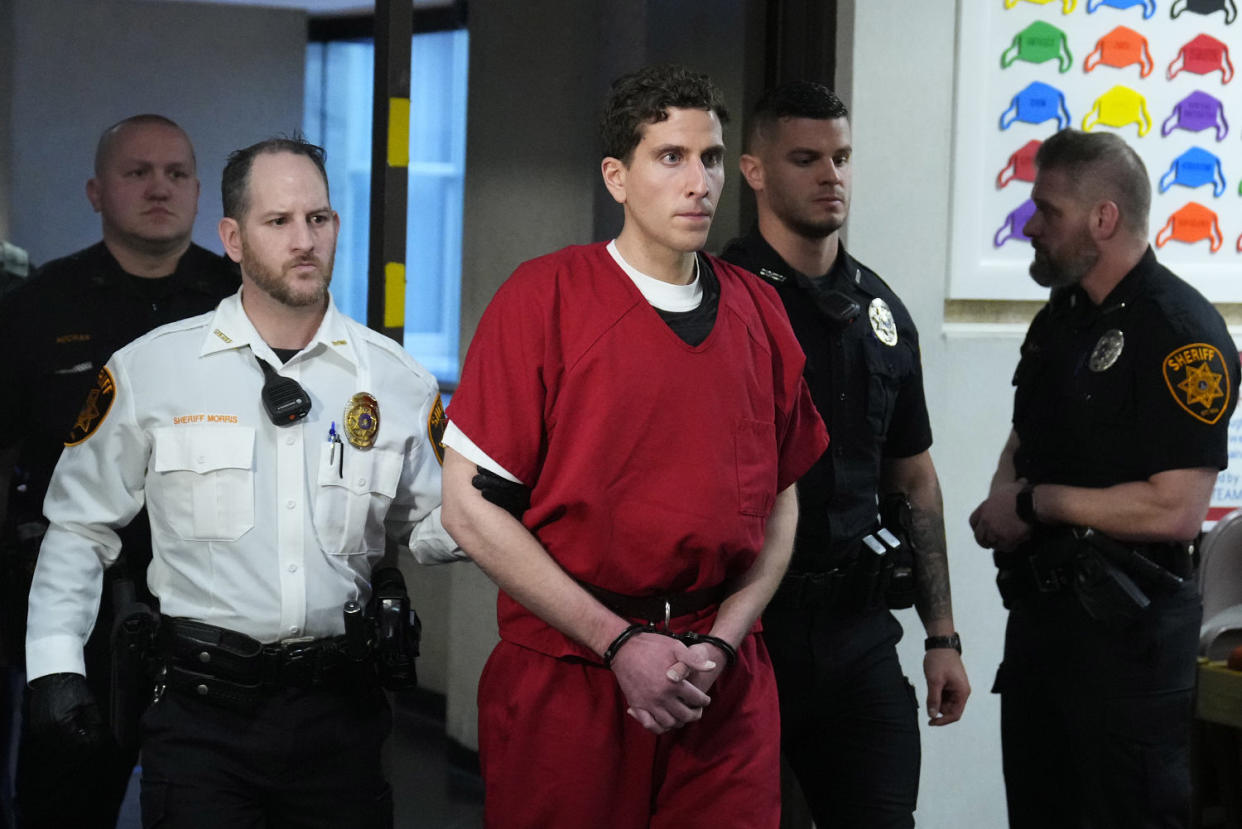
(654, 466)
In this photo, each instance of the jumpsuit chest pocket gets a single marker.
(353, 490)
(204, 485)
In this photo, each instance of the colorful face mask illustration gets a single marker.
(1036, 104)
(1120, 48)
(1195, 168)
(1149, 6)
(1037, 43)
(1205, 7)
(1014, 222)
(1203, 54)
(1067, 6)
(1021, 165)
(1197, 111)
(1118, 107)
(1193, 223)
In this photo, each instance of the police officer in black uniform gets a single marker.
(849, 718)
(1124, 390)
(58, 330)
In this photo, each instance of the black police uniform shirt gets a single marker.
(1142, 383)
(60, 328)
(866, 378)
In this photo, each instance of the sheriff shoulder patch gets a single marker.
(436, 423)
(95, 409)
(1198, 380)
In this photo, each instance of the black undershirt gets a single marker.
(285, 354)
(694, 325)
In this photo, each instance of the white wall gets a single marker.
(229, 75)
(901, 102)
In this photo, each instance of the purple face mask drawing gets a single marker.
(1014, 222)
(1197, 111)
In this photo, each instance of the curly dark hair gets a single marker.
(645, 96)
(236, 176)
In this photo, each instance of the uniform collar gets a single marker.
(230, 328)
(766, 258)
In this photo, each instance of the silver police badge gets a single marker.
(1107, 350)
(882, 324)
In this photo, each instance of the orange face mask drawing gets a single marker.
(1120, 48)
(1192, 223)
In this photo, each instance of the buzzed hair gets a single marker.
(795, 99)
(108, 137)
(645, 97)
(1101, 165)
(236, 178)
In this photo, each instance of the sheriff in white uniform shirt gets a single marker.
(263, 524)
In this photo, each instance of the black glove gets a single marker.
(512, 497)
(63, 709)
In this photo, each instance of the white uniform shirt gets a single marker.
(261, 529)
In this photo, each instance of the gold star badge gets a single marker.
(1198, 371)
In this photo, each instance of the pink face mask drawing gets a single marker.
(1192, 223)
(1021, 165)
(1203, 55)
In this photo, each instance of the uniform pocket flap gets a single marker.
(202, 449)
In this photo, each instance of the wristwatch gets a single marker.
(1025, 505)
(951, 641)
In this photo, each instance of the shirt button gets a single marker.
(362, 482)
(290, 504)
(293, 568)
(295, 630)
(289, 440)
(201, 459)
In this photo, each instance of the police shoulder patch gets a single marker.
(1198, 379)
(95, 409)
(436, 423)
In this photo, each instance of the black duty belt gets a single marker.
(814, 589)
(658, 609)
(1028, 569)
(238, 670)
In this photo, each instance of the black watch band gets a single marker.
(951, 641)
(1025, 505)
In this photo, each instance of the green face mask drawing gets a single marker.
(1037, 43)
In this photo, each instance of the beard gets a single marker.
(1057, 271)
(797, 220)
(301, 292)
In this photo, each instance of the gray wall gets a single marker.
(229, 75)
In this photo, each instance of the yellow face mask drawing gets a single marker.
(1119, 107)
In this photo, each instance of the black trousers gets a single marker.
(306, 758)
(1095, 722)
(849, 718)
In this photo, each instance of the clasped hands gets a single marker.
(665, 681)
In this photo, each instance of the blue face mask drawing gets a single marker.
(1037, 103)
(1195, 168)
(1149, 6)
(1205, 7)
